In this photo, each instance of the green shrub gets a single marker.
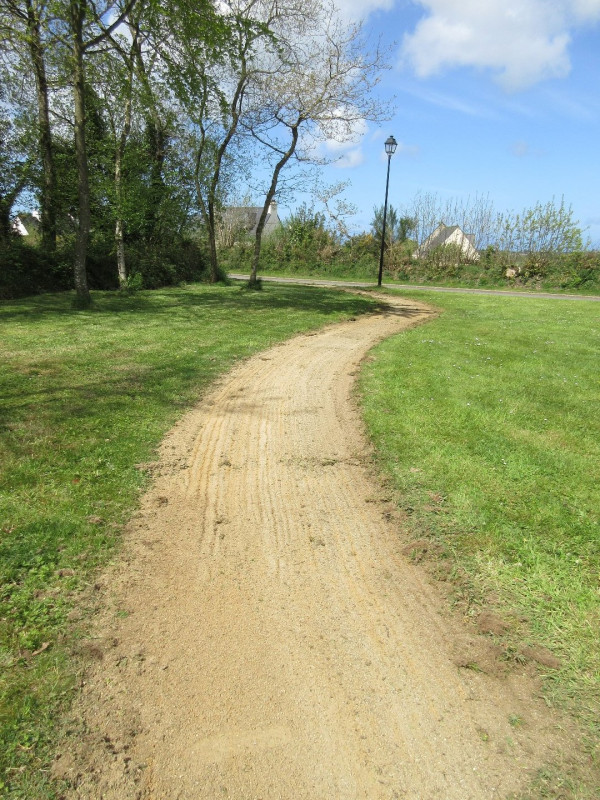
(579, 270)
(26, 270)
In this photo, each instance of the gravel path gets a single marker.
(265, 637)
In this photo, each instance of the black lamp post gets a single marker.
(390, 148)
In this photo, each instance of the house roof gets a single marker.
(18, 226)
(248, 217)
(441, 236)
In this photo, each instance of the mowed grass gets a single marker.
(487, 420)
(85, 396)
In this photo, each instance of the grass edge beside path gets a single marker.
(358, 282)
(86, 398)
(483, 425)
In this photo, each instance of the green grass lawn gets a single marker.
(487, 420)
(85, 396)
(471, 277)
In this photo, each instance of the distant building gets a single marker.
(448, 234)
(25, 222)
(17, 225)
(245, 218)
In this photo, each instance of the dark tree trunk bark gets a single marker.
(48, 194)
(212, 192)
(5, 225)
(269, 198)
(83, 187)
(119, 224)
(212, 244)
(158, 146)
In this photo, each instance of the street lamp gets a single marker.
(390, 148)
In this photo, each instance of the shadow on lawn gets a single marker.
(161, 301)
(117, 394)
(167, 383)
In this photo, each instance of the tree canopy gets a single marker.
(133, 121)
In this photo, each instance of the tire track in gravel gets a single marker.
(273, 642)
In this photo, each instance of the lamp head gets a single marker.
(390, 145)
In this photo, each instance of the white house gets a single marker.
(18, 227)
(246, 218)
(449, 234)
(33, 218)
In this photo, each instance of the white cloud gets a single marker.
(344, 134)
(521, 41)
(360, 9)
(342, 140)
(587, 10)
(337, 141)
(350, 159)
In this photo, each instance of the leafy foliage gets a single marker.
(397, 228)
(304, 243)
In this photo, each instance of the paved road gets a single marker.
(413, 287)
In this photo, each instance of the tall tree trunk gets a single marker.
(158, 137)
(5, 222)
(83, 186)
(120, 245)
(268, 200)
(211, 200)
(212, 243)
(119, 225)
(48, 195)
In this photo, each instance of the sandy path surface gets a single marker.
(266, 637)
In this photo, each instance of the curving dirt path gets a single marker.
(265, 637)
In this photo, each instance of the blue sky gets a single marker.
(496, 97)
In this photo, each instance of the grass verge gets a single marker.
(486, 421)
(85, 397)
(471, 277)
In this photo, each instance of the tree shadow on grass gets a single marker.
(162, 301)
(107, 389)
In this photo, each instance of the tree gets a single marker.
(73, 29)
(316, 86)
(539, 233)
(303, 242)
(25, 24)
(475, 215)
(14, 173)
(117, 89)
(86, 31)
(148, 195)
(208, 59)
(397, 228)
(338, 209)
(16, 163)
(120, 85)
